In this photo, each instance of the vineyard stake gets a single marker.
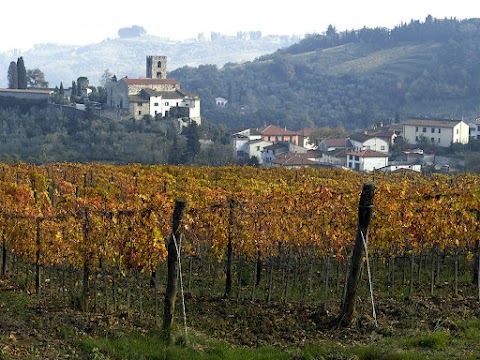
(172, 275)
(365, 209)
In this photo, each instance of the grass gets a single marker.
(136, 345)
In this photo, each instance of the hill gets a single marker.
(125, 56)
(352, 79)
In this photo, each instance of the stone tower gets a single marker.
(157, 67)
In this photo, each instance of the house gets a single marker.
(273, 151)
(241, 139)
(441, 132)
(334, 158)
(38, 97)
(383, 133)
(254, 148)
(334, 144)
(474, 129)
(361, 141)
(153, 95)
(221, 102)
(366, 160)
(304, 138)
(294, 160)
(277, 134)
(412, 156)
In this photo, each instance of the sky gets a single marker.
(91, 21)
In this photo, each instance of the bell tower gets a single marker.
(156, 67)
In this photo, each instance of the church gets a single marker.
(154, 95)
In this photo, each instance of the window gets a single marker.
(416, 129)
(350, 165)
(357, 158)
(139, 112)
(159, 74)
(433, 130)
(382, 147)
(457, 132)
(155, 104)
(159, 64)
(416, 138)
(439, 130)
(432, 140)
(156, 112)
(424, 129)
(166, 104)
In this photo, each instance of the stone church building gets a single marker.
(154, 95)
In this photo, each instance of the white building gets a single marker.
(361, 142)
(221, 102)
(366, 160)
(474, 129)
(436, 131)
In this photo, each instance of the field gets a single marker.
(263, 264)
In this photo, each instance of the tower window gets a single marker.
(159, 74)
(159, 64)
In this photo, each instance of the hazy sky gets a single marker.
(89, 21)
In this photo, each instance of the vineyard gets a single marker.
(96, 236)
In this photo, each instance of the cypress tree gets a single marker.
(74, 91)
(12, 76)
(21, 73)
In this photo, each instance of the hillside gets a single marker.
(126, 56)
(351, 79)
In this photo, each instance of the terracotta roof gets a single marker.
(293, 159)
(380, 133)
(336, 142)
(360, 137)
(148, 81)
(305, 132)
(367, 153)
(432, 122)
(275, 130)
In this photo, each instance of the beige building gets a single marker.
(440, 132)
(154, 95)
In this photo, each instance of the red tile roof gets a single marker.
(276, 130)
(305, 132)
(293, 159)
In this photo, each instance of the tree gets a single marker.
(193, 139)
(36, 78)
(74, 91)
(107, 77)
(21, 73)
(13, 76)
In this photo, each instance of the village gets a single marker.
(157, 97)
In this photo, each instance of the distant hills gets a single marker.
(125, 55)
(353, 79)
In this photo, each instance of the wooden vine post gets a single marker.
(172, 274)
(365, 209)
(228, 281)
